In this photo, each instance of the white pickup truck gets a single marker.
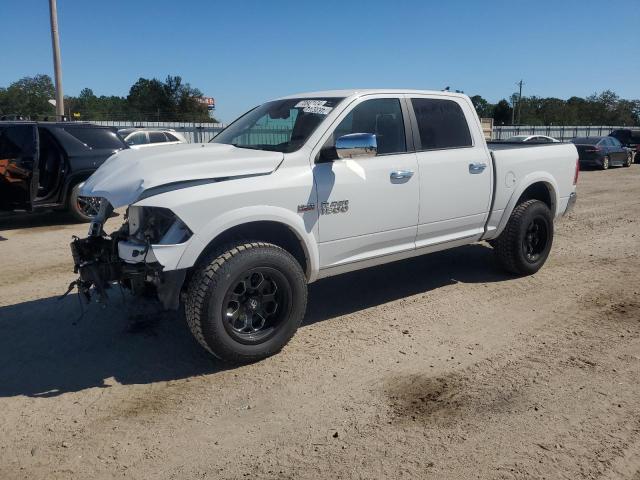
(309, 186)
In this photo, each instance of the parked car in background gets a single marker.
(630, 138)
(601, 152)
(43, 164)
(150, 137)
(532, 139)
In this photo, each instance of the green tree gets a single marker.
(29, 96)
(502, 113)
(483, 108)
(172, 100)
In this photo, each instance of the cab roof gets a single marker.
(370, 91)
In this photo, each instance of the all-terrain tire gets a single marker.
(213, 281)
(511, 246)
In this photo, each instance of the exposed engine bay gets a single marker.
(99, 263)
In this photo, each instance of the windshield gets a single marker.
(279, 126)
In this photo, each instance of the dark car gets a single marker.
(630, 138)
(43, 163)
(601, 152)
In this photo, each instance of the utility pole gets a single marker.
(520, 83)
(57, 66)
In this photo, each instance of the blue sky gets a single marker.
(243, 52)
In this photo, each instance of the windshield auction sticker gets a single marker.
(310, 103)
(319, 110)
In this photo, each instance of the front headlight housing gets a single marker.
(156, 225)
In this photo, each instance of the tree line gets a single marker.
(148, 100)
(604, 108)
(174, 100)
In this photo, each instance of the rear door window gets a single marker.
(138, 138)
(441, 124)
(157, 137)
(95, 138)
(16, 141)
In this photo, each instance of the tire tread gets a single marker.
(213, 267)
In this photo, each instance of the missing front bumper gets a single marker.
(100, 265)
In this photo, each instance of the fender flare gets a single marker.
(526, 182)
(233, 218)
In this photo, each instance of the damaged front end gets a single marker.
(126, 257)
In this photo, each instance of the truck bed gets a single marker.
(513, 162)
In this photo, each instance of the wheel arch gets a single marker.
(254, 224)
(535, 186)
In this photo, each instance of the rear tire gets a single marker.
(524, 245)
(82, 209)
(605, 163)
(246, 301)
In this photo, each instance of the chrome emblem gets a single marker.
(307, 207)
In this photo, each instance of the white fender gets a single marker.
(240, 216)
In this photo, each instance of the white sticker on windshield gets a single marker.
(310, 103)
(320, 110)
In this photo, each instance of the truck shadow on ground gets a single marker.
(46, 351)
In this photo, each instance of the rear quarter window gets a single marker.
(96, 138)
(441, 124)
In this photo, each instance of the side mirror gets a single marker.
(357, 145)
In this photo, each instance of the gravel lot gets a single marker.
(438, 367)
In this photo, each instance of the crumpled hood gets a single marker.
(127, 174)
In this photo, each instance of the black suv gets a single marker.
(43, 163)
(630, 138)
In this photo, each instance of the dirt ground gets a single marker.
(439, 367)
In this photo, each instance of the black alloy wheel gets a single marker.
(256, 305)
(535, 239)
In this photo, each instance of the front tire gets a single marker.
(524, 245)
(246, 301)
(629, 160)
(82, 209)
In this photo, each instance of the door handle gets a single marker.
(477, 167)
(401, 174)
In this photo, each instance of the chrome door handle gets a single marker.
(477, 167)
(401, 174)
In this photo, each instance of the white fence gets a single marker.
(194, 132)
(203, 132)
(563, 133)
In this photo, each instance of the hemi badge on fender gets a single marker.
(307, 207)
